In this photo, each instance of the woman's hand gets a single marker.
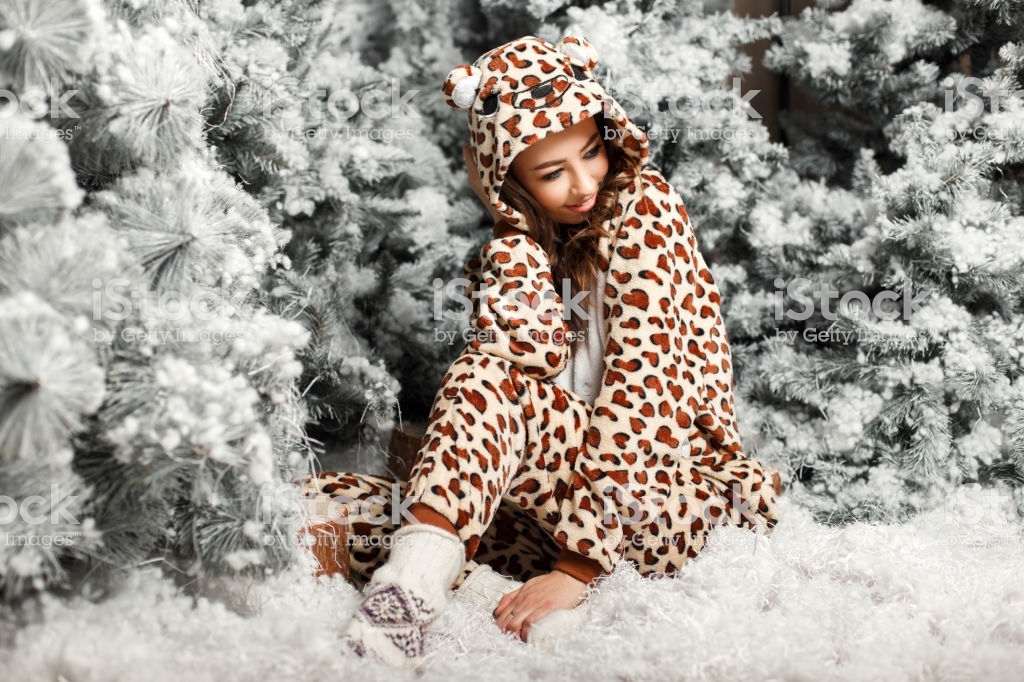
(476, 184)
(520, 609)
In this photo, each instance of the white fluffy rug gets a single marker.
(929, 600)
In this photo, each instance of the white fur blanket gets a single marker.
(933, 599)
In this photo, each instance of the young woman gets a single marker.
(590, 420)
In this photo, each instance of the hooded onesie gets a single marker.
(533, 475)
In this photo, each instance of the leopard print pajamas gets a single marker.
(526, 470)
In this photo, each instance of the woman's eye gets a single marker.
(593, 152)
(552, 175)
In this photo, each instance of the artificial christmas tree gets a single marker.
(212, 323)
(880, 407)
(149, 396)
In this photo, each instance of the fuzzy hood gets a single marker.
(519, 93)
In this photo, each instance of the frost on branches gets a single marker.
(148, 396)
(206, 282)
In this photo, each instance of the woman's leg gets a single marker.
(693, 499)
(495, 433)
(515, 544)
(700, 496)
(492, 433)
(371, 518)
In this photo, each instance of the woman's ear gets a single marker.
(577, 47)
(461, 86)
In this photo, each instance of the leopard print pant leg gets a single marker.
(496, 433)
(513, 544)
(516, 545)
(371, 515)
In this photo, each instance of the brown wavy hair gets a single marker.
(572, 250)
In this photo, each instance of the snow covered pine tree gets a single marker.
(907, 187)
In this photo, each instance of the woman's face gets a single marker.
(564, 171)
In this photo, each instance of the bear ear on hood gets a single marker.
(461, 86)
(577, 47)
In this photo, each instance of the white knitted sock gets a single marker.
(405, 595)
(485, 588)
(559, 622)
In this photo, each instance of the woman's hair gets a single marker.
(572, 250)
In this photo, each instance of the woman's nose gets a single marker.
(583, 183)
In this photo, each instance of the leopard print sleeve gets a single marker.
(518, 313)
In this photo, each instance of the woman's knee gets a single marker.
(484, 374)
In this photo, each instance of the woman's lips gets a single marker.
(585, 206)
